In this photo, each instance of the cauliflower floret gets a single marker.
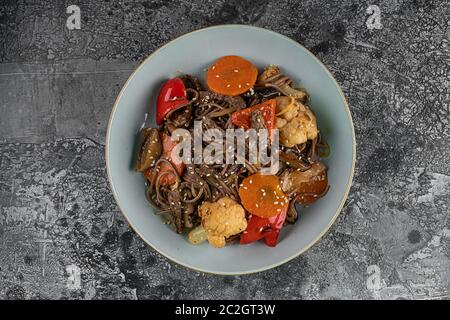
(295, 121)
(299, 129)
(280, 122)
(222, 219)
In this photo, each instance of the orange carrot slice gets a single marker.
(262, 196)
(231, 75)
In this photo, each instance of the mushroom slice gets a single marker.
(272, 77)
(150, 149)
(269, 72)
(292, 214)
(306, 186)
(297, 93)
(294, 161)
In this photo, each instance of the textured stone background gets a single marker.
(57, 87)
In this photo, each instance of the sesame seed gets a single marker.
(217, 76)
(239, 86)
(228, 85)
(236, 70)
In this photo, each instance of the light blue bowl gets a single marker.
(192, 53)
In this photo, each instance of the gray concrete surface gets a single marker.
(61, 233)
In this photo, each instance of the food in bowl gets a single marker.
(245, 198)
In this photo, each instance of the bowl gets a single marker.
(192, 53)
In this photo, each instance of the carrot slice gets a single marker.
(262, 196)
(231, 75)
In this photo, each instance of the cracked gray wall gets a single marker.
(57, 88)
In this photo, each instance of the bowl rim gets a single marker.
(349, 182)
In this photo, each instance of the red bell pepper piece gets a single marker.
(171, 97)
(167, 146)
(242, 118)
(271, 238)
(264, 228)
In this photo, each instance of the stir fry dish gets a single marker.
(233, 202)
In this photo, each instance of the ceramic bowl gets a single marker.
(192, 53)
